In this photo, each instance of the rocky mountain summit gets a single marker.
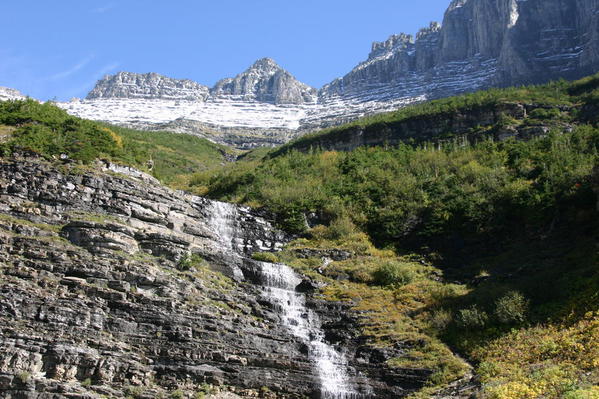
(113, 285)
(147, 86)
(480, 44)
(265, 81)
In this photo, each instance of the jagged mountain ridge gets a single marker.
(147, 86)
(264, 81)
(481, 44)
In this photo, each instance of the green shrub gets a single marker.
(177, 394)
(265, 257)
(191, 261)
(24, 376)
(472, 318)
(394, 273)
(341, 227)
(545, 113)
(440, 319)
(134, 391)
(511, 308)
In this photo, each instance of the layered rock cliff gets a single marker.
(147, 86)
(481, 43)
(112, 285)
(264, 81)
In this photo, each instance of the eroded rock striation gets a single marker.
(112, 285)
(147, 86)
(481, 44)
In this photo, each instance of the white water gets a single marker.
(279, 282)
(222, 220)
(278, 286)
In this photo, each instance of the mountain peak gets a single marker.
(266, 81)
(147, 86)
(266, 62)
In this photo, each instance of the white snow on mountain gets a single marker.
(7, 93)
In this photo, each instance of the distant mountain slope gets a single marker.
(7, 93)
(481, 44)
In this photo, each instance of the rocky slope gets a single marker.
(265, 81)
(112, 285)
(147, 86)
(480, 44)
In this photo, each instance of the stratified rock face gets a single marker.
(482, 43)
(99, 295)
(147, 86)
(266, 81)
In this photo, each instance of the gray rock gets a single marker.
(265, 81)
(481, 44)
(97, 299)
(148, 86)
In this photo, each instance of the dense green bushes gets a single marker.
(421, 193)
(46, 129)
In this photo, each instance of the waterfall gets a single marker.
(278, 283)
(278, 286)
(222, 219)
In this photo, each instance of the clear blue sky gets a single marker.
(59, 49)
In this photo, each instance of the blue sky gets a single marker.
(59, 49)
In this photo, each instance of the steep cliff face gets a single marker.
(481, 43)
(147, 86)
(265, 81)
(111, 284)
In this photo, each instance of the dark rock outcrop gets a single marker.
(469, 124)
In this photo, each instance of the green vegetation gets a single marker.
(51, 132)
(561, 94)
(174, 156)
(419, 195)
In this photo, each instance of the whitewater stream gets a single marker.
(278, 286)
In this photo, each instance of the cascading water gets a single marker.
(222, 219)
(279, 282)
(278, 286)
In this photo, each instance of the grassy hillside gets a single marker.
(50, 131)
